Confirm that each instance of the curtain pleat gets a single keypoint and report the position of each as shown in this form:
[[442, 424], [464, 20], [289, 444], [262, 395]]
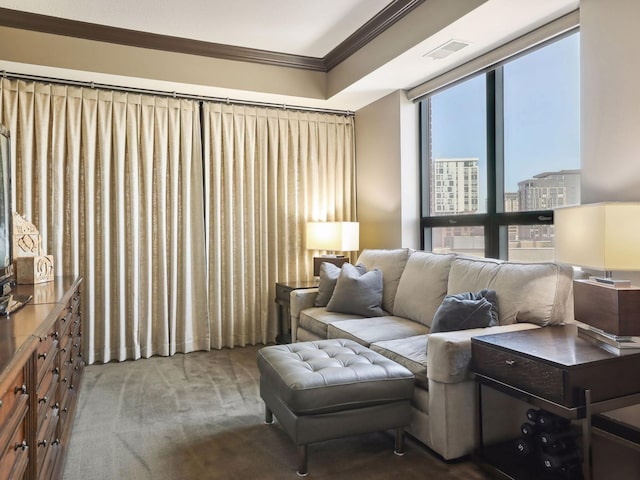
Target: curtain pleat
[[267, 172], [180, 230], [113, 181]]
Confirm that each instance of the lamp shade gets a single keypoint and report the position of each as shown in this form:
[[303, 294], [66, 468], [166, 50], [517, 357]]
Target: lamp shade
[[599, 236], [333, 236]]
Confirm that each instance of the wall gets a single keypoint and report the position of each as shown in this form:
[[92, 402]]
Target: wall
[[140, 66], [610, 100], [387, 173], [610, 103]]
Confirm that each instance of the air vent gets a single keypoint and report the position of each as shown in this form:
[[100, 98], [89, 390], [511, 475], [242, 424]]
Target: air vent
[[443, 51]]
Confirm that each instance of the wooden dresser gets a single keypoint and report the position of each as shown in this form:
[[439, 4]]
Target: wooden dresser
[[41, 369]]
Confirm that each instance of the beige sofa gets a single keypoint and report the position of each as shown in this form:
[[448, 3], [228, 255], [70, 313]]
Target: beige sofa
[[414, 285]]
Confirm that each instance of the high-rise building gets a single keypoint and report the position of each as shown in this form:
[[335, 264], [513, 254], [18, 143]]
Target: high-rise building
[[549, 190], [455, 186], [546, 191]]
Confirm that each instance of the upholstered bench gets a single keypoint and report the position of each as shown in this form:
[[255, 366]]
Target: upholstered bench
[[329, 389]]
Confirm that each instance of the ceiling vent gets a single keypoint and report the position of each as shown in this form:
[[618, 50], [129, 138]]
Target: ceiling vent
[[443, 51]]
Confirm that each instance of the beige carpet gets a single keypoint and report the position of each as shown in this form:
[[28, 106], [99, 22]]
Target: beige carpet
[[199, 416]]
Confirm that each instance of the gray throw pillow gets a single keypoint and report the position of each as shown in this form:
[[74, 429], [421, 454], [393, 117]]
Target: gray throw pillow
[[328, 277], [466, 310], [357, 294]]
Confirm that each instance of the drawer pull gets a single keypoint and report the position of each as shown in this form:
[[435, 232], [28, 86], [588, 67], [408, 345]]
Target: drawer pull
[[42, 443], [56, 371], [21, 446], [56, 442], [42, 355], [21, 389], [510, 362], [55, 406], [44, 399]]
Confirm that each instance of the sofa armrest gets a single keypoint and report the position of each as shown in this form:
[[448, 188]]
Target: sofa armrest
[[300, 299], [449, 353]]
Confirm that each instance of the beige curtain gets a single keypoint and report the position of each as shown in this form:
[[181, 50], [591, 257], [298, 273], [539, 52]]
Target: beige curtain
[[114, 183], [267, 172]]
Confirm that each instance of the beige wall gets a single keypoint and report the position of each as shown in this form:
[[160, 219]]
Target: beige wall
[[610, 103], [387, 173], [74, 54], [610, 100]]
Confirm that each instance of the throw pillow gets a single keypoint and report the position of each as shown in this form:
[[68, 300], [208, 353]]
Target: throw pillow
[[359, 294], [328, 277], [466, 310]]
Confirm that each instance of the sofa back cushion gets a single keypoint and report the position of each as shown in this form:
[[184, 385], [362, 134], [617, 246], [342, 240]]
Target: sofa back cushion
[[540, 293], [391, 263], [422, 286]]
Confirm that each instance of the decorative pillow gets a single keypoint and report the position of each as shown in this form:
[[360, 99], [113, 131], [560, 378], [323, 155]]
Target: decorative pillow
[[357, 294], [466, 310], [328, 276]]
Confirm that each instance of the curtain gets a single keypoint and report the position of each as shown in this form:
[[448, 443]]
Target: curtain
[[113, 181], [267, 172], [179, 242]]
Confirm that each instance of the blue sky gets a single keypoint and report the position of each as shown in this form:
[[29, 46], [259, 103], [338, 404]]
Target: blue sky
[[542, 117]]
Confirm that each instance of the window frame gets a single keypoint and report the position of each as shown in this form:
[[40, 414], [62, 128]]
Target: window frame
[[495, 221]]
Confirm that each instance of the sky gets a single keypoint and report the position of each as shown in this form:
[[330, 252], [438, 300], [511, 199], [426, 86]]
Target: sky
[[541, 111]]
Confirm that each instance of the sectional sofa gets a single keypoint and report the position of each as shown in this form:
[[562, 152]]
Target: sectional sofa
[[415, 285]]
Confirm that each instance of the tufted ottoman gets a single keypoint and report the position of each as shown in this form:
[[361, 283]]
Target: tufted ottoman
[[333, 388]]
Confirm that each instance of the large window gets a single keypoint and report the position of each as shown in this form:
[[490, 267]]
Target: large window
[[500, 152]]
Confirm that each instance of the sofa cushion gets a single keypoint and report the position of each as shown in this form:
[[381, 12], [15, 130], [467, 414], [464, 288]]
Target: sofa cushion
[[357, 293], [422, 286], [391, 263], [539, 293], [317, 319], [369, 330], [463, 311], [409, 352], [329, 274]]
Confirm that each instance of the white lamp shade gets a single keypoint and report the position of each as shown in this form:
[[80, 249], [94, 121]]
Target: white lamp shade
[[333, 236], [599, 236]]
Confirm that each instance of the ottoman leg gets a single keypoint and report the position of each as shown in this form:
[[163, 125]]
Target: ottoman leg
[[399, 449], [268, 415], [302, 461]]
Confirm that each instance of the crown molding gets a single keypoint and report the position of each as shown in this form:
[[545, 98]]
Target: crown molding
[[122, 36]]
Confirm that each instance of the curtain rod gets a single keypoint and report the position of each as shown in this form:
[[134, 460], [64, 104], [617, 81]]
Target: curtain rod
[[161, 93]]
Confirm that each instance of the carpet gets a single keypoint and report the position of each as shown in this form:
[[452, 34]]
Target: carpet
[[200, 416]]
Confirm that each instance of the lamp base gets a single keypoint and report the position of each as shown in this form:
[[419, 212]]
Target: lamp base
[[337, 260], [613, 310]]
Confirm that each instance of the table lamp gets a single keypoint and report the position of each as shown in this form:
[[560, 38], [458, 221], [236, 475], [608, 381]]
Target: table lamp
[[603, 237], [332, 237]]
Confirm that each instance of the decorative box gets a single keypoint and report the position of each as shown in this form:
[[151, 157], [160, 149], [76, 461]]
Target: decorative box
[[31, 270]]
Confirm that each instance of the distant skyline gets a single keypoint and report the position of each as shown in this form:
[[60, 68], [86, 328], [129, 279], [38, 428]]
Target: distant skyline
[[541, 116]]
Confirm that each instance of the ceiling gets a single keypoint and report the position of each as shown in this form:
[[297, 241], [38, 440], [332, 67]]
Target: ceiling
[[308, 28]]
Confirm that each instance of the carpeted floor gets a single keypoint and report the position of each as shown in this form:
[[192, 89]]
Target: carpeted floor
[[200, 416]]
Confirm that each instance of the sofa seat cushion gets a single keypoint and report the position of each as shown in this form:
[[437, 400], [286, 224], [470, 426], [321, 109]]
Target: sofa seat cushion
[[370, 330], [317, 319], [409, 352], [422, 286]]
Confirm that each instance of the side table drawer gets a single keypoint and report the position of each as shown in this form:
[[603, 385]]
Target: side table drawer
[[283, 293], [520, 372]]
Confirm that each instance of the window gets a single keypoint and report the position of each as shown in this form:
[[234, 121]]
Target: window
[[500, 151]]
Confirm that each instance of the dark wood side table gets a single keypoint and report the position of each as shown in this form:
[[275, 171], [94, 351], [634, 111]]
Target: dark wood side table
[[283, 299], [554, 369]]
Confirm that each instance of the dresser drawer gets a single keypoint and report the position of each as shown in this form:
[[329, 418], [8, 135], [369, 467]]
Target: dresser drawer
[[11, 398], [15, 453], [520, 372]]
